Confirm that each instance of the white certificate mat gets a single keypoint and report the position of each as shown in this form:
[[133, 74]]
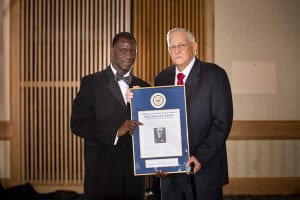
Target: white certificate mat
[[167, 120]]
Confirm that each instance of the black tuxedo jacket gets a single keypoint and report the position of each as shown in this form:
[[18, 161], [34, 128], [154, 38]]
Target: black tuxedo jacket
[[97, 113], [209, 114]]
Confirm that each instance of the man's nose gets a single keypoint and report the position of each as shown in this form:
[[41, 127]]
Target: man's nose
[[129, 55]]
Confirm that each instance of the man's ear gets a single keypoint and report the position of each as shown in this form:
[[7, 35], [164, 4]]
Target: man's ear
[[195, 47]]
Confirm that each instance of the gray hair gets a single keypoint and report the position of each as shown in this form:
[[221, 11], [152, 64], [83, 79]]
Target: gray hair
[[174, 30]]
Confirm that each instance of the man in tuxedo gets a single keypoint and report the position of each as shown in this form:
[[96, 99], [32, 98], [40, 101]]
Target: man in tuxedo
[[100, 115], [209, 114]]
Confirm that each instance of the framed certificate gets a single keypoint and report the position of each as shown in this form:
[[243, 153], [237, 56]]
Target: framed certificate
[[161, 143]]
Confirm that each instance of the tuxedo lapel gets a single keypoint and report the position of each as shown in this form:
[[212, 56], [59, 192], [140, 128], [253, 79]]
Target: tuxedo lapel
[[113, 87]]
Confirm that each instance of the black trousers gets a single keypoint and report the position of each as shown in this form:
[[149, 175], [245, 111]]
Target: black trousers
[[178, 194]]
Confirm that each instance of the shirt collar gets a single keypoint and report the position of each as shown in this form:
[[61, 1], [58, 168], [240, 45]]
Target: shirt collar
[[187, 69], [115, 71]]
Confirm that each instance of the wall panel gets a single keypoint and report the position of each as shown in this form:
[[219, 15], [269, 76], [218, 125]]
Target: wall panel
[[61, 41], [263, 158], [4, 159], [4, 61], [152, 19]]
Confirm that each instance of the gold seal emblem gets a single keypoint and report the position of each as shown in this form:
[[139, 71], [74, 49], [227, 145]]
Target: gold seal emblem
[[158, 100]]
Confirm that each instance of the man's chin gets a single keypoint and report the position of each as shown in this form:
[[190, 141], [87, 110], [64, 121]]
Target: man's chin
[[126, 68]]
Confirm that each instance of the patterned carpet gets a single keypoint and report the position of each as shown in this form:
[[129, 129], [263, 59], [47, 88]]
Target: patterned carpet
[[27, 192], [262, 197], [249, 197]]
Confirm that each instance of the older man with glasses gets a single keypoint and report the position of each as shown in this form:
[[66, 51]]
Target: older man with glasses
[[209, 115]]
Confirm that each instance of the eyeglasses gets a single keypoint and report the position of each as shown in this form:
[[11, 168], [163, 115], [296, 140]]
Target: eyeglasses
[[179, 46]]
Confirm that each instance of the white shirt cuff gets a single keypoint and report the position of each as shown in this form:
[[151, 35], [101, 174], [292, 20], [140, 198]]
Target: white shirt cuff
[[117, 138]]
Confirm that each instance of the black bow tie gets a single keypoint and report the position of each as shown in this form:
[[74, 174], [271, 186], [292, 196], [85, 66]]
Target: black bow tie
[[127, 79]]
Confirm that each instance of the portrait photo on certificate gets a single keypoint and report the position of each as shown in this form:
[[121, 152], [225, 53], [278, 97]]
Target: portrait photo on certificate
[[161, 143]]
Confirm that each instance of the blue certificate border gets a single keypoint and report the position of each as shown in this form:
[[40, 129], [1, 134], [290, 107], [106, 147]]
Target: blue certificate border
[[174, 99]]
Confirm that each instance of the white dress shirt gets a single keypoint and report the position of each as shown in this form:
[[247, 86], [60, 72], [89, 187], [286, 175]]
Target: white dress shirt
[[186, 71], [124, 87]]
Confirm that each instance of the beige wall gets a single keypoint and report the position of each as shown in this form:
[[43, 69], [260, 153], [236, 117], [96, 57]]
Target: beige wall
[[262, 30]]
